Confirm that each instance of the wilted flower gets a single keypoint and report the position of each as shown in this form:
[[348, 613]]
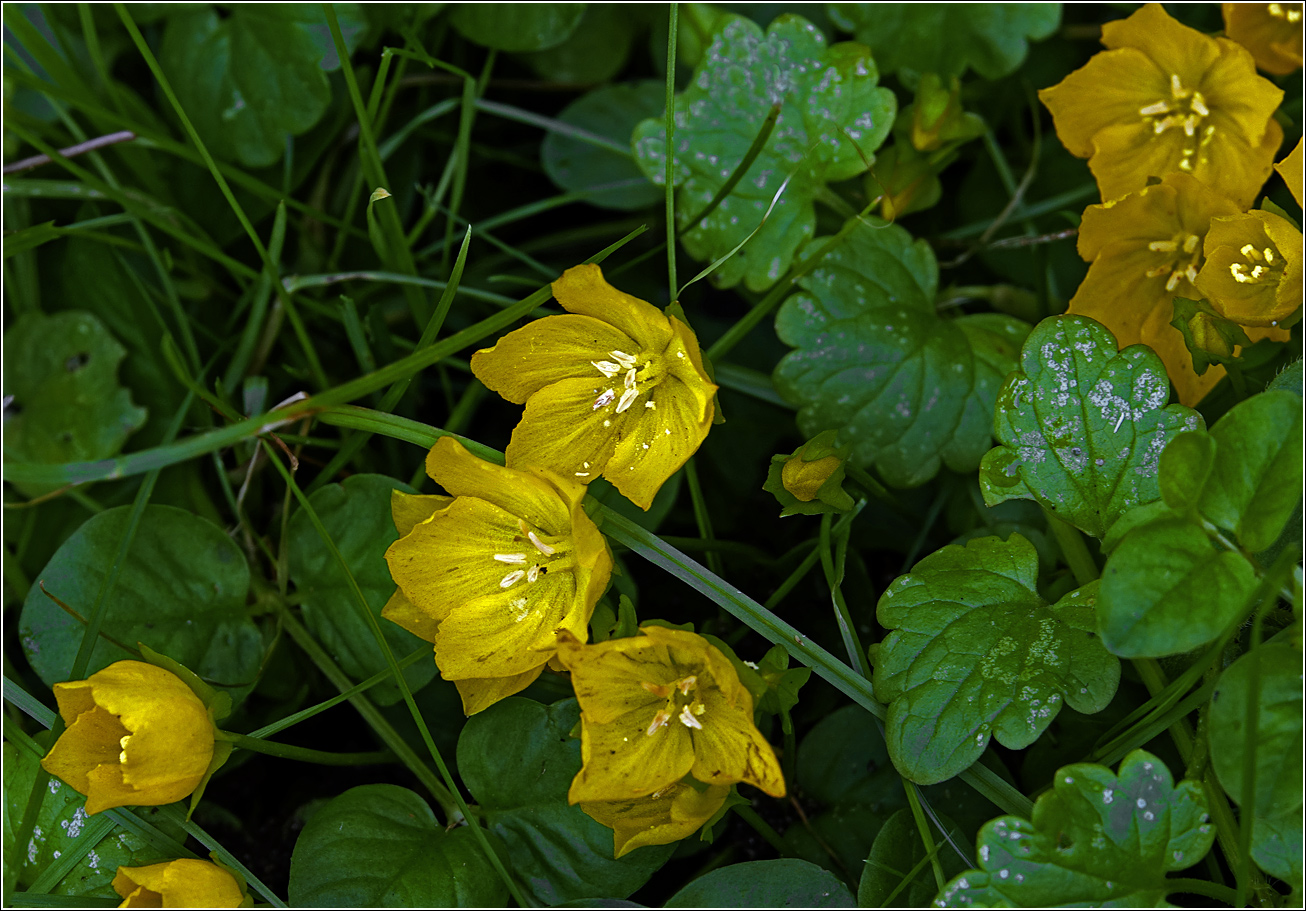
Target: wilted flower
[[184, 883], [493, 574], [1290, 169], [1252, 273], [1165, 98], [615, 387], [657, 707], [663, 817], [137, 736], [1271, 31]]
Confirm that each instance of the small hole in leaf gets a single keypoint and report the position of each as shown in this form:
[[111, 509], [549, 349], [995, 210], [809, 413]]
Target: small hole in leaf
[[77, 362]]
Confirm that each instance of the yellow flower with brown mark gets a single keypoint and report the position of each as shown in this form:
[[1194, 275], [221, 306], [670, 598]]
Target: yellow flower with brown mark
[[663, 817], [1271, 31], [1252, 273], [137, 736], [1164, 98], [184, 883], [1290, 169], [657, 707], [615, 387], [494, 572]]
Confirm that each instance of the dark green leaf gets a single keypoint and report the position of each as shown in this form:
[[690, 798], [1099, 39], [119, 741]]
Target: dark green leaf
[[1289, 378], [1185, 465], [518, 761], [843, 759], [975, 652], [380, 846], [1277, 846], [1082, 427], [1095, 839], [357, 515], [909, 391], [897, 850], [594, 52], [517, 26], [30, 238], [833, 117], [781, 883], [846, 829], [181, 591], [947, 38]]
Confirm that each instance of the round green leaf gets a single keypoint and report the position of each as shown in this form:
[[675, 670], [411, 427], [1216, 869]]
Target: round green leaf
[[518, 759], [612, 111], [595, 52], [380, 846], [909, 391], [1081, 426], [843, 759], [784, 883], [947, 38], [833, 116], [1277, 740], [975, 653], [181, 591], [1168, 588], [1185, 465], [896, 852], [1094, 840], [357, 515], [517, 26], [1277, 846]]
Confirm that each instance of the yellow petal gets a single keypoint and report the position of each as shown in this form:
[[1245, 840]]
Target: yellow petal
[[1171, 45], [609, 678], [633, 762], [661, 818], [548, 350], [1241, 281], [1108, 90], [420, 623], [93, 738], [1290, 169], [659, 440], [583, 289], [184, 883], [1274, 40], [408, 509], [729, 748], [480, 694], [563, 431], [542, 500]]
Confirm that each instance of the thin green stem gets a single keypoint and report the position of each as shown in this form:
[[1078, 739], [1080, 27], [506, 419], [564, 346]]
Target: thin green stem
[[1073, 548], [923, 828], [764, 829], [304, 754], [1203, 887]]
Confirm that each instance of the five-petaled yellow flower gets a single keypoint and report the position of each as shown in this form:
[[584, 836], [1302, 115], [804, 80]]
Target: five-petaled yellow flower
[[666, 815], [1165, 98], [615, 388], [1290, 169], [137, 736], [1252, 273], [183, 883], [491, 575], [657, 707], [1271, 31]]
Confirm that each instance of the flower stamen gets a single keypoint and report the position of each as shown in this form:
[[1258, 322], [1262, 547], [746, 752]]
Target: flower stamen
[[605, 398], [514, 559], [627, 399], [688, 720], [511, 579], [540, 545], [659, 721], [607, 368]]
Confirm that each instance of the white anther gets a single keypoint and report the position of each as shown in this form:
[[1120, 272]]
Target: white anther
[[1163, 246], [540, 545], [607, 368], [1236, 269], [1257, 271], [582, 474], [516, 559], [1152, 110], [630, 378], [519, 608], [1191, 272], [659, 721], [1173, 281], [1199, 105], [649, 404], [511, 579], [533, 574], [1250, 252], [688, 720], [621, 357], [1191, 242], [1176, 87], [1269, 255], [1190, 125], [687, 684], [627, 399], [605, 398]]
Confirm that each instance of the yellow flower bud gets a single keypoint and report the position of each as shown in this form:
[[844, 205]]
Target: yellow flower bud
[[812, 474], [137, 736], [180, 884]]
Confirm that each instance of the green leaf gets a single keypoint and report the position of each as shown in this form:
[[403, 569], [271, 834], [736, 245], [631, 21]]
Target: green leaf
[[1256, 480], [896, 851], [909, 391], [357, 515], [975, 652], [249, 79], [181, 591], [1277, 846], [380, 846], [612, 111], [1095, 840], [1168, 588], [518, 760], [784, 883], [30, 238], [595, 52], [1290, 378], [517, 27], [843, 759], [1277, 740], [833, 117], [990, 38], [61, 371], [1186, 464], [1082, 427]]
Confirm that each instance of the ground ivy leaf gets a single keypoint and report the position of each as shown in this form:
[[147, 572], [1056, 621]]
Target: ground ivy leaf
[[947, 38], [1168, 588], [380, 846], [517, 27], [908, 390], [783, 883], [1277, 740], [1081, 426], [974, 652], [833, 117], [1095, 840]]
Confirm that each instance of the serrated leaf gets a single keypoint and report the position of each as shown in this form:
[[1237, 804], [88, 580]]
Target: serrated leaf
[[833, 117], [908, 390], [517, 27], [380, 846], [1081, 426], [181, 591], [975, 653], [897, 850], [784, 883], [357, 515], [518, 760], [947, 38], [1277, 740], [612, 111], [1168, 588], [1094, 839]]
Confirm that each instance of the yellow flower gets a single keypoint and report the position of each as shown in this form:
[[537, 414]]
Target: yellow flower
[[1166, 98], [181, 883], [491, 575], [657, 707], [1290, 169], [1145, 251], [809, 481], [663, 817], [615, 387], [137, 736], [1271, 31], [1252, 273]]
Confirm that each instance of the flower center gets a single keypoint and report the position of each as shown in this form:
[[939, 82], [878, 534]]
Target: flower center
[[1185, 109], [541, 555], [638, 375], [682, 705], [1288, 11], [1263, 265], [1182, 259]]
